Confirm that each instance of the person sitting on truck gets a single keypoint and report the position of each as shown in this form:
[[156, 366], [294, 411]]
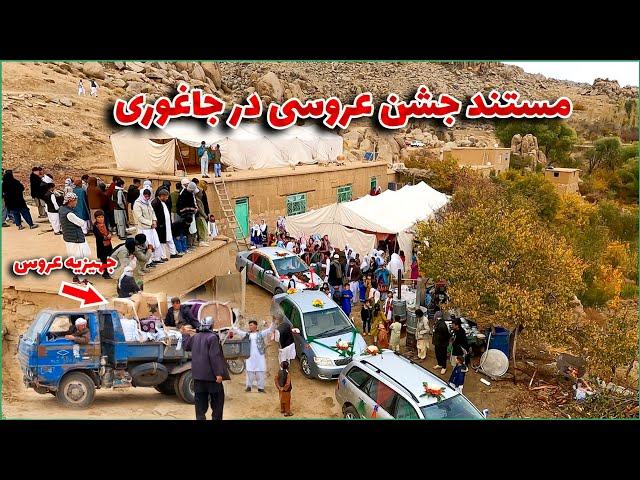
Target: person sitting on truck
[[79, 332], [180, 316]]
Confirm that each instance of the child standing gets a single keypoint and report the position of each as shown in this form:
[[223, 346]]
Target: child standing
[[103, 240], [456, 380], [395, 328], [366, 314], [347, 296], [283, 384], [213, 228]]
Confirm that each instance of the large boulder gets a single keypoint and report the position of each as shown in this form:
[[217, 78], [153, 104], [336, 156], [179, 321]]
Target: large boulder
[[516, 144], [137, 67], [212, 71], [132, 77], [180, 66], [93, 70], [118, 83], [269, 85], [138, 87], [198, 73], [352, 139]]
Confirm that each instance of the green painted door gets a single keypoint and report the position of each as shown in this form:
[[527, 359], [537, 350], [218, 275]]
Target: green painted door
[[242, 216]]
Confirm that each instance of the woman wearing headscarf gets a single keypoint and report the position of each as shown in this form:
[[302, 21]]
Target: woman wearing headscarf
[[263, 231], [127, 285], [81, 209], [147, 222], [414, 269], [187, 207], [395, 264]]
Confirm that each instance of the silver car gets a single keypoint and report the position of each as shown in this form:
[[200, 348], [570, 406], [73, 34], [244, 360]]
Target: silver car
[[320, 328], [390, 386], [269, 267]]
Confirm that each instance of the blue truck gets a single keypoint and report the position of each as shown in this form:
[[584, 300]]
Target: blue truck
[[73, 372]]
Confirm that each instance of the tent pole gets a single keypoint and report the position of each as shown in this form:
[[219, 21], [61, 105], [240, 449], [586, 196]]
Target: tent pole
[[181, 159]]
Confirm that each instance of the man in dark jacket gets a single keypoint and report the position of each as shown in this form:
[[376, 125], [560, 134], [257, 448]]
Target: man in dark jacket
[[12, 192], [180, 315], [460, 344], [35, 181], [335, 271], [441, 337], [208, 368], [163, 223]]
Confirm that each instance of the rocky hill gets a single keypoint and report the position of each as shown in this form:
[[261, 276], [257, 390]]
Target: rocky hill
[[46, 122]]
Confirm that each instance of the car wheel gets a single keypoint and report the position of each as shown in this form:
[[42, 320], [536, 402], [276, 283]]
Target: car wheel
[[350, 413], [236, 366], [76, 390], [278, 291], [184, 388], [305, 366]]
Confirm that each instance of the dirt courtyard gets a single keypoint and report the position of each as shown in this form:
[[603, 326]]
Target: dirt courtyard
[[310, 398]]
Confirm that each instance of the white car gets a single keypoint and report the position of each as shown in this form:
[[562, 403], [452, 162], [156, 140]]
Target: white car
[[269, 267]]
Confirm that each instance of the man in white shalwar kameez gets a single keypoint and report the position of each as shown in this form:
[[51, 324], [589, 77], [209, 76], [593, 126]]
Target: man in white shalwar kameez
[[256, 364]]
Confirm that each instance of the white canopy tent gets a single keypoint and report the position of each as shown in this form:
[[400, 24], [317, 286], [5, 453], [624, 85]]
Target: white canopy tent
[[392, 212], [247, 147]]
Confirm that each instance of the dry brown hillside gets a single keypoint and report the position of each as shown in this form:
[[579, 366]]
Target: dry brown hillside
[[44, 121]]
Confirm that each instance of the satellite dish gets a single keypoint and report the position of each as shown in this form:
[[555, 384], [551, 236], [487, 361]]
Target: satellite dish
[[494, 363]]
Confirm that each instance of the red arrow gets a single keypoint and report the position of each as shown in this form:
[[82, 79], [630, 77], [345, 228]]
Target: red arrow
[[87, 295]]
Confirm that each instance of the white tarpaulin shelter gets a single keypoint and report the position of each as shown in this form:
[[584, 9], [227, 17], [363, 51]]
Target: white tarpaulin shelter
[[247, 147], [393, 212]]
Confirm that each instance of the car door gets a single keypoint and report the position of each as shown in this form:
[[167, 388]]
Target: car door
[[296, 322], [353, 382], [270, 281], [252, 267], [382, 399], [404, 410], [57, 354]]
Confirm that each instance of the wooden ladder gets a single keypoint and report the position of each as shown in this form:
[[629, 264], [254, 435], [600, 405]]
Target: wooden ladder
[[233, 227]]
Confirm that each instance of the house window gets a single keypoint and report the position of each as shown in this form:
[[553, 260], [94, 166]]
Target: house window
[[344, 193], [296, 204], [556, 174], [374, 183]]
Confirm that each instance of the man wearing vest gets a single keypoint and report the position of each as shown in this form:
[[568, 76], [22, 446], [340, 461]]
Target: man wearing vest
[[257, 362], [72, 235]]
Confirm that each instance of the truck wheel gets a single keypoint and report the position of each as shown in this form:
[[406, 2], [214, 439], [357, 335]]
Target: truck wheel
[[168, 387], [76, 390], [305, 366], [184, 388], [236, 366]]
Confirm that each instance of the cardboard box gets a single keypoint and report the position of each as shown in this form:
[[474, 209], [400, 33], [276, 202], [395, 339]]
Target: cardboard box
[[221, 313], [148, 303]]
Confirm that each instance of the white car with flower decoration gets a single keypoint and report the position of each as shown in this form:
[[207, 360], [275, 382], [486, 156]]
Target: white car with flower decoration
[[326, 339], [384, 384], [273, 267]]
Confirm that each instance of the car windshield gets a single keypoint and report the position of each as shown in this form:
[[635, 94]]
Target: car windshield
[[326, 323], [454, 407], [37, 326], [288, 265]]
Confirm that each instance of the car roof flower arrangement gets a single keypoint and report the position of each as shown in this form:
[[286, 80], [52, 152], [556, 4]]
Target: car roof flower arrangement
[[317, 303], [432, 391], [291, 291], [371, 350]]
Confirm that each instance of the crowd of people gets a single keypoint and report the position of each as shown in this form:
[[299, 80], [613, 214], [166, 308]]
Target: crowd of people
[[170, 222]]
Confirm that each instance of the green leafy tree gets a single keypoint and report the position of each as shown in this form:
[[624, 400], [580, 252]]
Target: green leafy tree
[[607, 153], [535, 189], [503, 265]]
